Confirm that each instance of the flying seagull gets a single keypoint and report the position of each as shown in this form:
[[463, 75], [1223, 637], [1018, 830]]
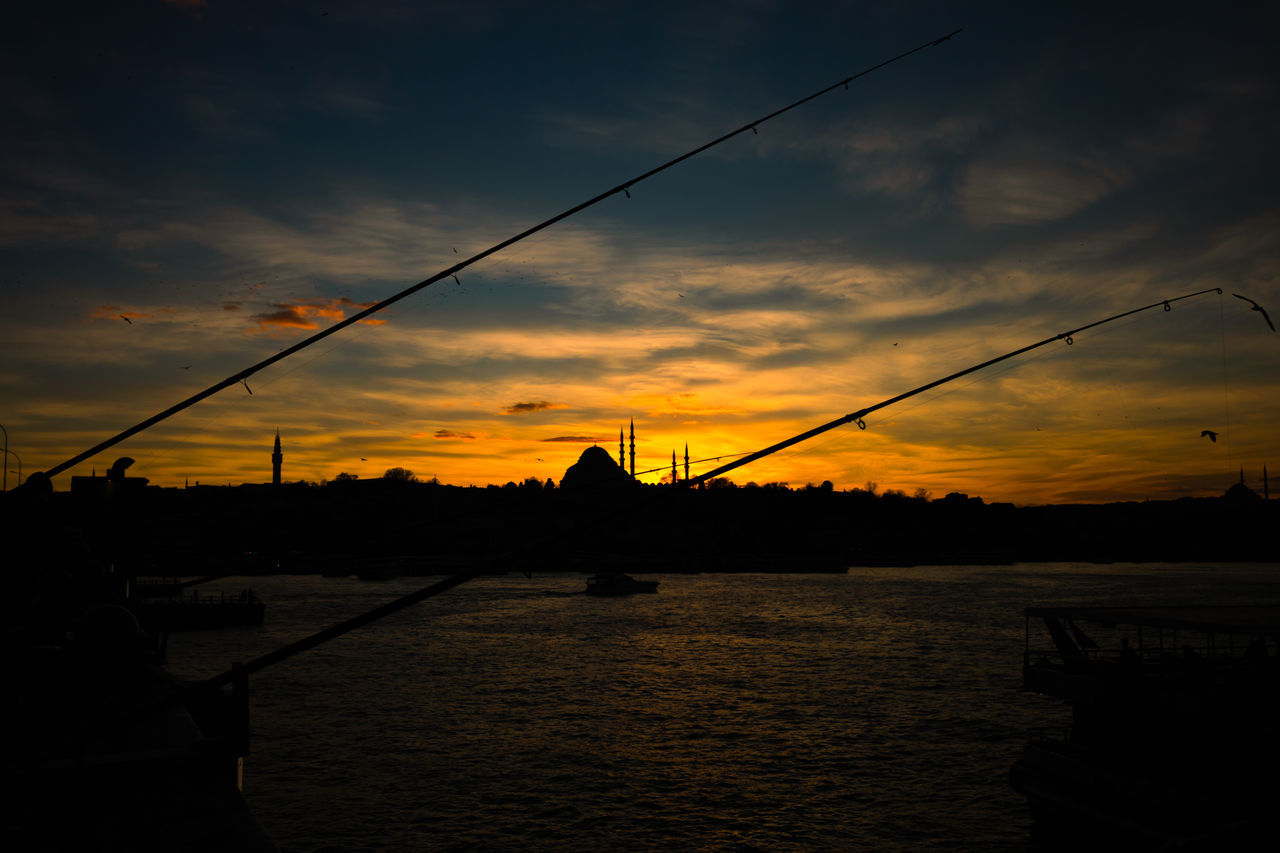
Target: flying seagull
[[1213, 436], [1258, 308]]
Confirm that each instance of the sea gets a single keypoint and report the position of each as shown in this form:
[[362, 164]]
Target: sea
[[877, 709]]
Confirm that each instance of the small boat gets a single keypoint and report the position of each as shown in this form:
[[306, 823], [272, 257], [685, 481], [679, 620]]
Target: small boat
[[617, 583]]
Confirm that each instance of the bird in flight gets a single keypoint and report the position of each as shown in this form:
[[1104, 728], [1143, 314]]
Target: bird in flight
[[130, 322], [1213, 436], [1258, 308]]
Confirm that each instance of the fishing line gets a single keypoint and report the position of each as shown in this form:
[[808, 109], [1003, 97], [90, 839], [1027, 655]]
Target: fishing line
[[977, 378], [1122, 322], [858, 417]]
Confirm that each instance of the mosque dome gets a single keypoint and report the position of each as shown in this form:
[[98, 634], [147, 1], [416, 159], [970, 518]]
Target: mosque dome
[[595, 469]]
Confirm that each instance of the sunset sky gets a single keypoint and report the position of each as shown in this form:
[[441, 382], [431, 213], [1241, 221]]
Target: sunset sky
[[187, 187]]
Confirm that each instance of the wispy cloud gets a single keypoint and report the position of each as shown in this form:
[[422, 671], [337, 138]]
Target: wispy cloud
[[997, 193]]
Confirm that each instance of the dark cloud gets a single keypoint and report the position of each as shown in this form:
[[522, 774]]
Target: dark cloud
[[525, 408], [577, 439], [447, 434], [231, 306]]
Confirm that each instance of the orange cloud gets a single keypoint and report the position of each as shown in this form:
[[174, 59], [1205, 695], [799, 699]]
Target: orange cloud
[[302, 314], [285, 315]]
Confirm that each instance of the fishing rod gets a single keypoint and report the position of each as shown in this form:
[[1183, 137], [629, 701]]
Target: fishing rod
[[857, 417], [451, 272]]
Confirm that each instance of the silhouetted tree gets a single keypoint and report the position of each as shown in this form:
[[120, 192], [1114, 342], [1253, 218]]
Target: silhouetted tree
[[344, 477], [403, 474]]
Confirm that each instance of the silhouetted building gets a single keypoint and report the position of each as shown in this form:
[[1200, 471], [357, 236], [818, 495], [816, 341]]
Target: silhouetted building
[[277, 457], [594, 469]]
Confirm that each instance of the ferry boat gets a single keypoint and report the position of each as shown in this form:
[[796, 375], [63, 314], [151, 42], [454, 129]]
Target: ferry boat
[[1174, 734], [617, 583]]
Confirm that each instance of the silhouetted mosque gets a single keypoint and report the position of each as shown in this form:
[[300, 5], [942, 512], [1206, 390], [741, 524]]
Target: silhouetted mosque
[[595, 469]]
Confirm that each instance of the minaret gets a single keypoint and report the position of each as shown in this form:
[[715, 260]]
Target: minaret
[[622, 460], [276, 458], [686, 460], [675, 475], [633, 448]]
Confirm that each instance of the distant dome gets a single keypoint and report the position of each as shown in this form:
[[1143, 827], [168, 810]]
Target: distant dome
[[1240, 493], [595, 469]]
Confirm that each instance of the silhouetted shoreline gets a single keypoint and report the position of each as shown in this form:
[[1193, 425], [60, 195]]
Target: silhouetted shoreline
[[402, 527]]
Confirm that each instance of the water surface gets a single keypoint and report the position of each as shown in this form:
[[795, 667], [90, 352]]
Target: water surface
[[876, 710]]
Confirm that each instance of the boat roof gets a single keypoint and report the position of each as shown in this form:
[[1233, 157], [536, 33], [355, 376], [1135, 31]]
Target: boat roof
[[1210, 618]]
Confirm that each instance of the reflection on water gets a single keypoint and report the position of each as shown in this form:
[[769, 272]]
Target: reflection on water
[[876, 710]]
